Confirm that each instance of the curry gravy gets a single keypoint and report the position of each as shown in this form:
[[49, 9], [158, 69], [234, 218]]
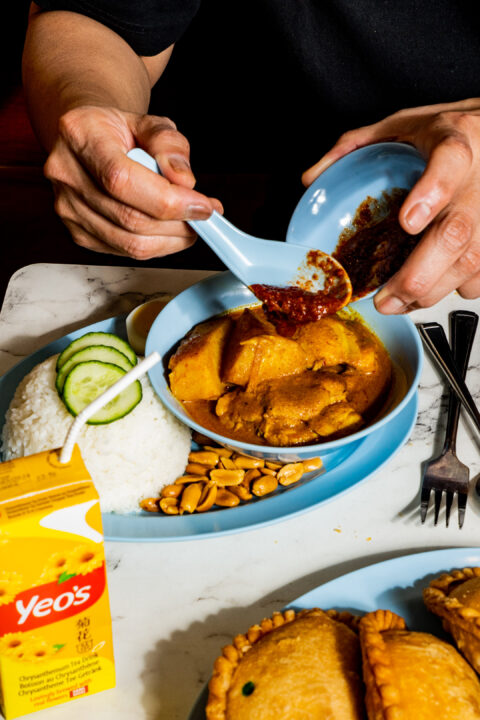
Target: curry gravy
[[236, 376]]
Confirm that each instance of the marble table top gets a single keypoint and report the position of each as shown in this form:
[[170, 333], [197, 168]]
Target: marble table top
[[175, 604]]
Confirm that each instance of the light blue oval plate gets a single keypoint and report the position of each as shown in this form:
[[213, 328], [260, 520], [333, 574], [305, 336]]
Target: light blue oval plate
[[372, 453], [395, 585]]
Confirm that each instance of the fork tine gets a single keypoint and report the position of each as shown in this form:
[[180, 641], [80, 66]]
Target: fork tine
[[438, 500], [462, 504], [445, 472], [424, 502], [449, 500]]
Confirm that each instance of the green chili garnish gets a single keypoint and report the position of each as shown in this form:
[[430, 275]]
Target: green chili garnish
[[248, 688]]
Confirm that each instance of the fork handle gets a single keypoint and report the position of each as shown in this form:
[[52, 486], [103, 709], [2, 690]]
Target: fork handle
[[463, 325], [434, 337]]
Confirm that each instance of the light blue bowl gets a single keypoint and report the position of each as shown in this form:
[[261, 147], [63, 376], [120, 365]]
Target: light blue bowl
[[329, 205], [222, 292]]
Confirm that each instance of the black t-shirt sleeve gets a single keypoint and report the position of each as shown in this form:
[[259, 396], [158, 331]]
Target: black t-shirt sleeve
[[148, 26]]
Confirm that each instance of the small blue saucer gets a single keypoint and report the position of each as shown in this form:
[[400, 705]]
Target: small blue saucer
[[329, 205]]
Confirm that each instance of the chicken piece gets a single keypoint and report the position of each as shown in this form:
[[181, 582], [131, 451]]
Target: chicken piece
[[368, 353], [256, 353], [241, 407], [280, 435], [195, 367], [337, 419], [280, 409], [364, 391], [333, 341], [275, 357], [325, 342], [291, 404], [302, 397], [239, 353]]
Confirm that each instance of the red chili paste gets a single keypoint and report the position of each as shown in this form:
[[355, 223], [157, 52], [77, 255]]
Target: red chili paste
[[287, 307], [375, 246]]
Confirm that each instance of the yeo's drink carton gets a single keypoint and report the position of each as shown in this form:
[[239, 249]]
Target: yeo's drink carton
[[55, 625]]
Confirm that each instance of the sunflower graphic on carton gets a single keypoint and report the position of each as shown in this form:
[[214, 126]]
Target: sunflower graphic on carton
[[27, 647], [62, 566], [11, 583]]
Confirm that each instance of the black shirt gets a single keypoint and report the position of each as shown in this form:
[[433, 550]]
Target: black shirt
[[269, 85]]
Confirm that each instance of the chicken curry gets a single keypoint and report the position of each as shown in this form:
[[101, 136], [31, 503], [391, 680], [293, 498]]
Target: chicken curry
[[237, 376]]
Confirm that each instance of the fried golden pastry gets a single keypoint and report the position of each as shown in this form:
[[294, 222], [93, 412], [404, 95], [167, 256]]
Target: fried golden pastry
[[414, 675], [290, 667], [455, 597]]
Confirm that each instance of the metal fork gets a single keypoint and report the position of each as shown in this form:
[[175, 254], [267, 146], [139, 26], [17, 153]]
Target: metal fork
[[446, 473]]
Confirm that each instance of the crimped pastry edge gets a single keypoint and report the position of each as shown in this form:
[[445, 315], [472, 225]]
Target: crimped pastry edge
[[225, 665], [382, 697], [458, 619]]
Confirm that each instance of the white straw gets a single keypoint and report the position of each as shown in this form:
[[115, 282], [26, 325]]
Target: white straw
[[82, 417]]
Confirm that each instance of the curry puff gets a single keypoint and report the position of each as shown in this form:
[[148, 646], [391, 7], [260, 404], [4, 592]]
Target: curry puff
[[290, 667], [455, 597], [414, 675]]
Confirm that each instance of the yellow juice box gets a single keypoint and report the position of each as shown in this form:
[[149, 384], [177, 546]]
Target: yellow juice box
[[55, 625]]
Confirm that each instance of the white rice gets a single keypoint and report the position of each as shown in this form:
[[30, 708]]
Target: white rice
[[129, 459]]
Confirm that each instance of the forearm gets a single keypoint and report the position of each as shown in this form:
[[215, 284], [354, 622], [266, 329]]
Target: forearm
[[71, 60]]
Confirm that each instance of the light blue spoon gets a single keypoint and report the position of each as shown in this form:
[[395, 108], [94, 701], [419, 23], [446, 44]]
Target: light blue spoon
[[266, 262]]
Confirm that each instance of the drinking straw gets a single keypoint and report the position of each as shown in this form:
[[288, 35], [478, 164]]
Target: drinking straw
[[111, 392]]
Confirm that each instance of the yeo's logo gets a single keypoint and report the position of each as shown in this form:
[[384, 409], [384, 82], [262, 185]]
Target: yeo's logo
[[52, 602]]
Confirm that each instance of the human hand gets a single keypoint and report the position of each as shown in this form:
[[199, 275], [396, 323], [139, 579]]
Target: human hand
[[110, 203], [445, 200]]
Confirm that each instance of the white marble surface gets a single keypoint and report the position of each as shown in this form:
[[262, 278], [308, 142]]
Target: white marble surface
[[175, 604]]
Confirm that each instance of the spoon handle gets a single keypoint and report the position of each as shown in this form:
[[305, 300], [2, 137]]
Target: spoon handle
[[226, 241], [435, 339], [216, 231], [256, 261]]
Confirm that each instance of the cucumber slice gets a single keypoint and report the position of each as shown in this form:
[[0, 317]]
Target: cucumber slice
[[97, 338], [88, 380], [103, 353]]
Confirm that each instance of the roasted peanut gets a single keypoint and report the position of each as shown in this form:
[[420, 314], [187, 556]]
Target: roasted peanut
[[221, 451], [312, 464], [269, 471], [251, 475], [169, 505], [225, 498], [290, 473], [217, 476], [150, 504], [172, 490], [196, 469], [241, 491], [204, 457], [227, 477], [207, 498], [228, 463], [186, 479], [264, 485], [247, 463], [190, 498]]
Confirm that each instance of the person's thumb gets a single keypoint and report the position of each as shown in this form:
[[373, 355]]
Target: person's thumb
[[159, 137]]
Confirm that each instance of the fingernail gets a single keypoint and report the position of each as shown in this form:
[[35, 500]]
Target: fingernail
[[197, 212], [390, 305], [179, 164], [418, 217]]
